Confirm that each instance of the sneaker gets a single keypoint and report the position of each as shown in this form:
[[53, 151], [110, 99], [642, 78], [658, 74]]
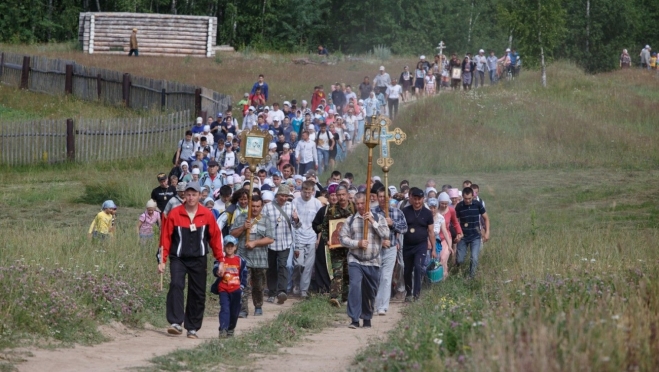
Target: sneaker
[[382, 312], [242, 314], [354, 325], [224, 333], [175, 329], [281, 298], [409, 298], [192, 334], [230, 332], [271, 300], [296, 291], [304, 295], [367, 323], [334, 302], [258, 312]]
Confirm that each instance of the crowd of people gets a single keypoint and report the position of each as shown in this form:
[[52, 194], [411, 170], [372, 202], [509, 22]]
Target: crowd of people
[[284, 231]]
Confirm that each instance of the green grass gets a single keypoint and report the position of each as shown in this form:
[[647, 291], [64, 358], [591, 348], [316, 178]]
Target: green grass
[[287, 328], [569, 280]]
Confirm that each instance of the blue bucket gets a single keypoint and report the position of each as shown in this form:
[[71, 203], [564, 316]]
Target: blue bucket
[[437, 274]]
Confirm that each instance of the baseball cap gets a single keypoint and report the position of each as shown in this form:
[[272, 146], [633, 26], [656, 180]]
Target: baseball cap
[[246, 95], [287, 146], [415, 191], [310, 173], [200, 120], [193, 186], [181, 186], [227, 143], [229, 239], [422, 57], [219, 114], [251, 108], [286, 103], [481, 51]]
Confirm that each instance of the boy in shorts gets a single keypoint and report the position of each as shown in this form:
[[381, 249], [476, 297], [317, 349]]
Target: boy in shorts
[[230, 286]]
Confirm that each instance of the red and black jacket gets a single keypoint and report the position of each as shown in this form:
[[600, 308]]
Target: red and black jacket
[[177, 240]]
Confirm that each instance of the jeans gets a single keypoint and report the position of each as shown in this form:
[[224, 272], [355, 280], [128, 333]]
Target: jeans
[[475, 247], [305, 261], [393, 107], [362, 290], [137, 52], [229, 309], [387, 262], [414, 259], [323, 160], [305, 167], [480, 76], [493, 77], [195, 269], [277, 272]]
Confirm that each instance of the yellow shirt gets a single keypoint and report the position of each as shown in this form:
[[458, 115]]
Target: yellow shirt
[[653, 61], [101, 223]]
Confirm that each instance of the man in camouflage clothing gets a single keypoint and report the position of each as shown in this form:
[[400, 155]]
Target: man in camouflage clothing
[[255, 252], [339, 256]]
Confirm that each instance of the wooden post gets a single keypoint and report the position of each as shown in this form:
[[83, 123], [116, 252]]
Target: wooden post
[[68, 82], [163, 99], [126, 90], [197, 102], [25, 74], [70, 141], [99, 80], [368, 189], [386, 191]]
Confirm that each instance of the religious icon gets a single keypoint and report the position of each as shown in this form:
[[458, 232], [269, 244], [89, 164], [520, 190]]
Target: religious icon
[[254, 147], [334, 231]]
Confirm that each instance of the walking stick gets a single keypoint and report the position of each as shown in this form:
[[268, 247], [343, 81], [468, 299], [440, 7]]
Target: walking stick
[[161, 274]]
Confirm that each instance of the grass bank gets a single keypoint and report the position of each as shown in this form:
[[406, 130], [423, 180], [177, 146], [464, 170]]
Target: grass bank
[[569, 279]]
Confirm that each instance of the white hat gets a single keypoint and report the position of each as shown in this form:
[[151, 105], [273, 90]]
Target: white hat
[[647, 47], [236, 179], [304, 101], [272, 146], [207, 128], [266, 108], [151, 204], [229, 135], [251, 108], [422, 57], [381, 68], [507, 49], [287, 146], [481, 51], [184, 163], [393, 190], [286, 103], [196, 171], [376, 178], [361, 101], [268, 195], [200, 120]]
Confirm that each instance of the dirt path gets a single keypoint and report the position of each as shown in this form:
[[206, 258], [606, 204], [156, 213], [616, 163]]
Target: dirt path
[[332, 349], [131, 348]]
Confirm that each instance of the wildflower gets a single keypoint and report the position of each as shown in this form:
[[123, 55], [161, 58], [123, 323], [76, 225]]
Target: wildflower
[[592, 260], [615, 317], [438, 341]]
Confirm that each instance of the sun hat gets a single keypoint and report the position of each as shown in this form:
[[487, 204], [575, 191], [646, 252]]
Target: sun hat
[[286, 103], [180, 186], [283, 190], [109, 204], [151, 204]]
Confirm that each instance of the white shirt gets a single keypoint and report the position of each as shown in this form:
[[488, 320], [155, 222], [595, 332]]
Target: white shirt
[[306, 212], [278, 114], [324, 140], [439, 220], [306, 151], [230, 162], [394, 91], [481, 61]]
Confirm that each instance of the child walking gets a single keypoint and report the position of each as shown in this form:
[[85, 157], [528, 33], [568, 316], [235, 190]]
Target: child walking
[[102, 226], [146, 222], [230, 286]]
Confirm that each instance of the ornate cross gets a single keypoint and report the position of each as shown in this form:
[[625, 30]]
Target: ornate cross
[[397, 136]]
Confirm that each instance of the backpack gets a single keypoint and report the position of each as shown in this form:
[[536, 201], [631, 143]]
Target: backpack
[[180, 144], [229, 211]]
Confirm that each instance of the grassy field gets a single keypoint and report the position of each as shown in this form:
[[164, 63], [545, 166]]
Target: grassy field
[[21, 105], [568, 282]]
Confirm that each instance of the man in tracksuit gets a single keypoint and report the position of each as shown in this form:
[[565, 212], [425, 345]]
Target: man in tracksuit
[[189, 230]]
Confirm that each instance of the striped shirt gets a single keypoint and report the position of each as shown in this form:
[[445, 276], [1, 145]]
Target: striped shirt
[[469, 216], [353, 231], [283, 231]]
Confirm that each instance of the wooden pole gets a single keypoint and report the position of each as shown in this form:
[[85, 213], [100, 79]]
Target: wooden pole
[[70, 141], [197, 102], [252, 168], [25, 73], [126, 89], [369, 171], [2, 64], [99, 87], [386, 191]]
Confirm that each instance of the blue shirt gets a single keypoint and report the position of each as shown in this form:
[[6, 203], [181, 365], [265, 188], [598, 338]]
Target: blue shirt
[[469, 217], [264, 89]]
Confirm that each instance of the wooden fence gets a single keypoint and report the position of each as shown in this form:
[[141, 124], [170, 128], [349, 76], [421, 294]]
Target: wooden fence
[[58, 77], [85, 140], [158, 34]]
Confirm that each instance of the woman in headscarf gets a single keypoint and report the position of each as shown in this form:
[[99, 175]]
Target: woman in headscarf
[[625, 59], [443, 241], [468, 68], [322, 278], [448, 212], [419, 76], [185, 175]]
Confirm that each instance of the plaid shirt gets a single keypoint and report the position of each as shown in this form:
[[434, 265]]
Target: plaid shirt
[[284, 234], [400, 224], [353, 231], [258, 257]]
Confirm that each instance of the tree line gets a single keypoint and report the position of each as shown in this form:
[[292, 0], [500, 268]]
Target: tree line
[[590, 32]]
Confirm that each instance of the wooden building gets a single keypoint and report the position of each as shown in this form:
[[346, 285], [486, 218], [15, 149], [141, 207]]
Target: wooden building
[[157, 35]]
